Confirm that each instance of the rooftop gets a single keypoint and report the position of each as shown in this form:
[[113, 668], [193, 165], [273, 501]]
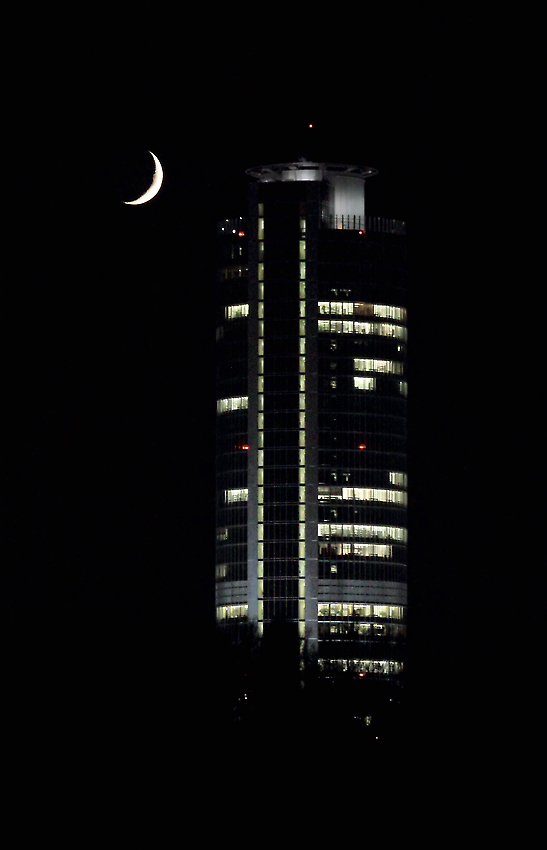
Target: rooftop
[[304, 170]]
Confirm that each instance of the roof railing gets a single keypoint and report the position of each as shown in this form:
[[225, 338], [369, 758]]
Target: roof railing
[[373, 223]]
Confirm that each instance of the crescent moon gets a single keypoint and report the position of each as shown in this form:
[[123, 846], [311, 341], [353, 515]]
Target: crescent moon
[[154, 188]]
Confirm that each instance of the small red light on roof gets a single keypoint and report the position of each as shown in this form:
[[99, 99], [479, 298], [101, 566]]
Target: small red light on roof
[[241, 233], [362, 445]]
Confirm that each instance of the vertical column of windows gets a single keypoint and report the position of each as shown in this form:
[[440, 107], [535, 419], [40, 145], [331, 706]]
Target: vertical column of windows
[[302, 436], [260, 419]]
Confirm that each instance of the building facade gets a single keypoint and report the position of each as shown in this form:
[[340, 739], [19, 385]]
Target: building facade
[[311, 492]]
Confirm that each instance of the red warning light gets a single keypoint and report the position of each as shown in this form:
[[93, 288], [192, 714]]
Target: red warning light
[[245, 448], [241, 233], [362, 445], [310, 126]]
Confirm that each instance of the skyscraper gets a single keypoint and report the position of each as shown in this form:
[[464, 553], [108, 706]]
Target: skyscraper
[[311, 425]]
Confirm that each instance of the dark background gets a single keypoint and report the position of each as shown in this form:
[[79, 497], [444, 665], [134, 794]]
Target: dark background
[[110, 466]]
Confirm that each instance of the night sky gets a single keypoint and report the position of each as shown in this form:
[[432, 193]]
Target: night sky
[[111, 483]]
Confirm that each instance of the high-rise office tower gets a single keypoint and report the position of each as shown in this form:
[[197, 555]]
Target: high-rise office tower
[[311, 423]]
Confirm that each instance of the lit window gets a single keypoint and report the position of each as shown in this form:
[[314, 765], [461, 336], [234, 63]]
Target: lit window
[[240, 494], [364, 383], [360, 610], [385, 532], [357, 308], [366, 494], [371, 550], [373, 494], [398, 478], [387, 366], [360, 666], [359, 550], [236, 311], [386, 312], [231, 612], [224, 405], [351, 327]]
